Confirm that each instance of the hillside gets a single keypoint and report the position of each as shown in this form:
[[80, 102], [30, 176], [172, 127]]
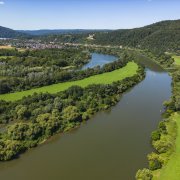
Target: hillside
[[163, 36], [10, 33]]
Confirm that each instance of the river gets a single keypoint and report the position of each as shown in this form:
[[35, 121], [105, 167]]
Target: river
[[113, 145], [99, 60]]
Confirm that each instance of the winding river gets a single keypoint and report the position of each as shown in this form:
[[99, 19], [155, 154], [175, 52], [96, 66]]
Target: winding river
[[110, 146]]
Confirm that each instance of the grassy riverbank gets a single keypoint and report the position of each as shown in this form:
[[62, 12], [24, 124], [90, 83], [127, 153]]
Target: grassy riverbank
[[106, 78], [171, 171], [164, 162]]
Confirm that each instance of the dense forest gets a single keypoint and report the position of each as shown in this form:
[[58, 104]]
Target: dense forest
[[161, 36]]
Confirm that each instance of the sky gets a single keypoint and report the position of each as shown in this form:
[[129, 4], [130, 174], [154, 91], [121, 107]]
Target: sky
[[85, 14]]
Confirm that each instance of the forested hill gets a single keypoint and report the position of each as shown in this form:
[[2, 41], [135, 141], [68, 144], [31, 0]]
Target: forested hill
[[163, 36], [9, 33]]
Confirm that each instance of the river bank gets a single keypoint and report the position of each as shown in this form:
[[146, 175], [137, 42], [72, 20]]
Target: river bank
[[100, 144]]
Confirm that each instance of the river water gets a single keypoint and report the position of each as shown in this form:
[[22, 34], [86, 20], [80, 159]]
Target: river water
[[110, 146], [99, 60]]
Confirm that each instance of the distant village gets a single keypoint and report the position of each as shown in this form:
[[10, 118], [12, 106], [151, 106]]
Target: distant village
[[29, 44], [35, 44]]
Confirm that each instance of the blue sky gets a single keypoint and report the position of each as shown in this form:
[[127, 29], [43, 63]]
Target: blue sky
[[85, 14]]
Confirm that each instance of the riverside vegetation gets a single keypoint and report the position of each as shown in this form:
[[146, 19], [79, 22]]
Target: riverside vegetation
[[164, 162], [36, 118]]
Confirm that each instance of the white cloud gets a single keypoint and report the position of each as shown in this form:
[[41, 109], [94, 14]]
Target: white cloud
[[2, 3]]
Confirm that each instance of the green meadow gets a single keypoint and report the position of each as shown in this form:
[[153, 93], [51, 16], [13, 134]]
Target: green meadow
[[171, 171], [177, 60], [106, 78]]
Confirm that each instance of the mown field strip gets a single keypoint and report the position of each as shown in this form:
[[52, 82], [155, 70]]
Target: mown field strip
[[177, 60], [106, 78], [172, 169]]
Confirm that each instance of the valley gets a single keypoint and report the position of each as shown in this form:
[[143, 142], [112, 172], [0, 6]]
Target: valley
[[90, 104]]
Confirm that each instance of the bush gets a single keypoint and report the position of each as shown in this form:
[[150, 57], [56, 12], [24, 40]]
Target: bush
[[162, 127], [144, 174], [163, 146], [155, 135], [155, 161]]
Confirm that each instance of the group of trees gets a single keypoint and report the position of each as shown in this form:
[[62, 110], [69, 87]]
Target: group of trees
[[161, 58], [28, 69], [174, 104], [163, 141], [40, 116]]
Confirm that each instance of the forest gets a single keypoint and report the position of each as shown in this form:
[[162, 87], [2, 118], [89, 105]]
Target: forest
[[159, 37]]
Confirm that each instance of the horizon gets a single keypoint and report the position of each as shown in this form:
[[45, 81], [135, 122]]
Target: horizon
[[94, 29], [85, 15]]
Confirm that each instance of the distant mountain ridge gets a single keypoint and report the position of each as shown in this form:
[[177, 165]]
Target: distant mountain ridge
[[160, 36], [10, 33], [43, 32]]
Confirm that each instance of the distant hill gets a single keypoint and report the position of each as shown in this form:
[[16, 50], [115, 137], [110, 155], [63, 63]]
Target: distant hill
[[10, 33], [60, 31], [163, 36]]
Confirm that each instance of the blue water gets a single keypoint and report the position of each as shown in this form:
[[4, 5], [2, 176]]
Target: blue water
[[99, 60]]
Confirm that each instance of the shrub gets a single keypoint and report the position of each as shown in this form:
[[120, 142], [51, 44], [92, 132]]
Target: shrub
[[155, 135], [144, 174], [163, 146], [155, 161], [162, 127]]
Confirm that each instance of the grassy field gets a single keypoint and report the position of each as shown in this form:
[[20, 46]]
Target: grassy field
[[177, 60], [5, 57], [172, 170], [6, 47], [107, 78]]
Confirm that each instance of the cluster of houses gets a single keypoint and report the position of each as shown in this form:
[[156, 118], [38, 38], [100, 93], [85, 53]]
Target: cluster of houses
[[29, 44], [41, 46]]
